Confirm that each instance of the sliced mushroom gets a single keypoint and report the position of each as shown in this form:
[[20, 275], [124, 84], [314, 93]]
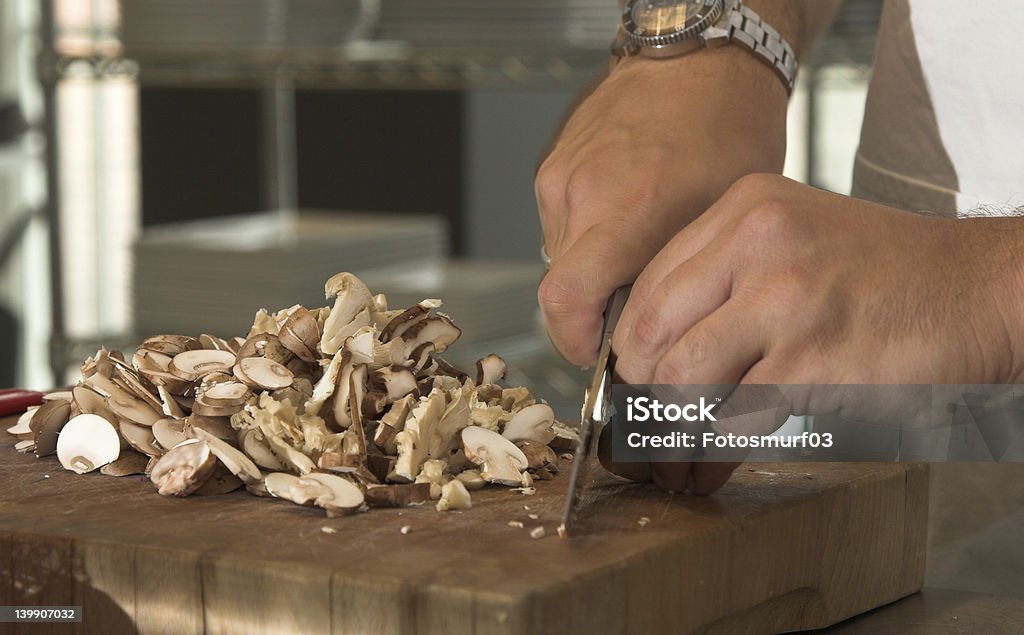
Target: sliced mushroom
[[201, 407], [532, 423], [183, 469], [490, 370], [499, 459], [342, 497], [169, 432], [231, 393], [86, 443], [413, 442], [279, 484], [438, 330], [565, 438], [538, 455], [471, 479], [259, 451], [60, 395], [394, 381], [397, 495], [47, 423], [170, 345], [434, 472], [301, 335], [264, 373], [129, 463], [454, 495], [295, 460], [170, 405], [219, 427], [22, 429], [238, 463], [221, 481], [402, 322], [140, 438], [193, 364], [515, 399], [351, 310]]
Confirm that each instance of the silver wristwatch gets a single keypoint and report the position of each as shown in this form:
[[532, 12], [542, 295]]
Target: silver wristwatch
[[667, 28]]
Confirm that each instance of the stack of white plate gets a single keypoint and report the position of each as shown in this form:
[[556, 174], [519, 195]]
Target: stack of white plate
[[211, 276]]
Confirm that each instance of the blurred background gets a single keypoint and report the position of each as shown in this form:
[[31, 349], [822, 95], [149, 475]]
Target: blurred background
[[173, 165]]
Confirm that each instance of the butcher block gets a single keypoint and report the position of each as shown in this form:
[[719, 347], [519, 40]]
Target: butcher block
[[781, 547]]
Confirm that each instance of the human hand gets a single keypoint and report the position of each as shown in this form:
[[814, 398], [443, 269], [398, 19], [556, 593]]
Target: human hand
[[780, 283], [651, 148]]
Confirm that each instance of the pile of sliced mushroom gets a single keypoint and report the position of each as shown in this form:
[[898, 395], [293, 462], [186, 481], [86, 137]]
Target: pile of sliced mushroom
[[342, 407]]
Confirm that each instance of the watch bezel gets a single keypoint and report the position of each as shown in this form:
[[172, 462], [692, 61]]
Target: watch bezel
[[690, 30]]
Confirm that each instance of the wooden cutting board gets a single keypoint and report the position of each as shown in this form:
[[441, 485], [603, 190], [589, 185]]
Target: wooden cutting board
[[781, 547]]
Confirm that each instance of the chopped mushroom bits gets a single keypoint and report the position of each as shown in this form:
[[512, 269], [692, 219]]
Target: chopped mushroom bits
[[343, 408]]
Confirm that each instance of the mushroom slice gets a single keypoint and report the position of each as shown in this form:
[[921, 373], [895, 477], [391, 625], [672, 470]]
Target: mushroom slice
[[399, 324], [265, 373], [212, 342], [515, 399], [130, 382], [414, 441], [389, 354], [490, 370], [342, 497], [532, 423], [232, 393], [259, 451], [301, 335], [239, 464], [219, 427], [46, 424], [397, 495], [295, 460], [565, 438], [183, 469], [88, 442], [129, 463], [352, 305], [22, 429], [325, 387], [206, 409], [171, 407], [394, 381], [140, 438], [499, 459], [444, 368], [222, 481], [170, 345], [279, 484], [60, 395], [454, 495], [539, 456], [27, 445], [471, 479], [439, 330], [193, 364], [169, 432], [421, 357]]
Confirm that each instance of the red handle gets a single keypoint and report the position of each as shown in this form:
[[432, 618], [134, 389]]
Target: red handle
[[16, 400]]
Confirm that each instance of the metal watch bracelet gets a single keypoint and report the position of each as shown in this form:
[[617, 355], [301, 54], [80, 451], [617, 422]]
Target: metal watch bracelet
[[747, 28]]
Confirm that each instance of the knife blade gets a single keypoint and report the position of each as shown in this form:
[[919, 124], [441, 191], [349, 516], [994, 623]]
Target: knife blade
[[597, 399]]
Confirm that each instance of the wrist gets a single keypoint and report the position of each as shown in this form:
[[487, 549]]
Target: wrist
[[990, 249]]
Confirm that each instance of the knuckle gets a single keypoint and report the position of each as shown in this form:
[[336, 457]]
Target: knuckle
[[557, 295], [754, 185], [695, 350], [768, 220], [549, 187], [582, 186], [647, 335]]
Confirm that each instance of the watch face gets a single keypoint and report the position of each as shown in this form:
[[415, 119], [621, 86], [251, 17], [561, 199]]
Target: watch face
[[659, 18]]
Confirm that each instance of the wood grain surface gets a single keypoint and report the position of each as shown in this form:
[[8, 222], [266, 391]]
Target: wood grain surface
[[781, 547]]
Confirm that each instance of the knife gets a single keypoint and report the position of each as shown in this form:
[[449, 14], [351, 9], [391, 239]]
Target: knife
[[597, 410]]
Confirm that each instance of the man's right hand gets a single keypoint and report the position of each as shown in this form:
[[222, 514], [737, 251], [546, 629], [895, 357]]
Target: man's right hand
[[655, 144]]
